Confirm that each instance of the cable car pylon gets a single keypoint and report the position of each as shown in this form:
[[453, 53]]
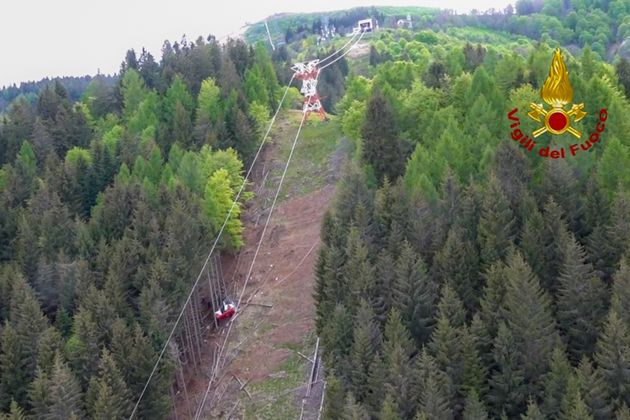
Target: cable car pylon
[[308, 73]]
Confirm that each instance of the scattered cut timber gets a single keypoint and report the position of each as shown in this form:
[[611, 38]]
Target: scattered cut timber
[[264, 374]]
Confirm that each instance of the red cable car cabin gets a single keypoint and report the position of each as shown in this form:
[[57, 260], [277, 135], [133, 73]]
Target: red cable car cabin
[[227, 310]]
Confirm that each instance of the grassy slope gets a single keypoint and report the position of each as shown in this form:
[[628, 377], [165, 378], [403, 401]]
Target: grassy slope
[[311, 165], [315, 164]]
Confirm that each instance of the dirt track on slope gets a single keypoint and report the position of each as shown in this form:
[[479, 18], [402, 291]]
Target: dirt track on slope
[[276, 319]]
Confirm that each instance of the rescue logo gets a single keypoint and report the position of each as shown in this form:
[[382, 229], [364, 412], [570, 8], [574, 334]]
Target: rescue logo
[[556, 93]]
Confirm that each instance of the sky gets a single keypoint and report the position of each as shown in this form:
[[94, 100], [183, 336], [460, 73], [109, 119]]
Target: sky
[[77, 37]]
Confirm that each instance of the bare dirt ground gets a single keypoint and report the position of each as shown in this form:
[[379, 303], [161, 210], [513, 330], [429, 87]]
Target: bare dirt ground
[[266, 366]]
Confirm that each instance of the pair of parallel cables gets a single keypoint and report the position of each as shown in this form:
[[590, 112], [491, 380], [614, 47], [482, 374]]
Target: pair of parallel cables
[[225, 222]]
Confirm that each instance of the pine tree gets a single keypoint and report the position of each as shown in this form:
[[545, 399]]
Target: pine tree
[[554, 231], [608, 242], [496, 224], [594, 389], [366, 342], [555, 383], [527, 311], [135, 357], [323, 302], [533, 235], [82, 347], [107, 393], [451, 308], [397, 349], [389, 411], [433, 401], [377, 376], [39, 394], [384, 274], [475, 372], [623, 413], [337, 336], [13, 376], [620, 301], [482, 339], [474, 407], [414, 293], [457, 265], [573, 405], [50, 344], [354, 410], [507, 387], [493, 297], [65, 393], [29, 322], [455, 352], [15, 412], [533, 412], [432, 387], [381, 148], [358, 272], [334, 401], [446, 347], [613, 357], [581, 300], [560, 182]]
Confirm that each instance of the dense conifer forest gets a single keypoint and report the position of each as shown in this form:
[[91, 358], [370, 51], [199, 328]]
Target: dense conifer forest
[[107, 205], [459, 276], [462, 276]]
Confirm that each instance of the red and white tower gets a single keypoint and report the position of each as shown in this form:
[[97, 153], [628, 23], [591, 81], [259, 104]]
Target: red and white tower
[[308, 73]]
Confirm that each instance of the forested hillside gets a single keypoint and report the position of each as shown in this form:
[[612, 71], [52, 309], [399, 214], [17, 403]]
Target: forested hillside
[[74, 86], [462, 276], [602, 26], [107, 206], [459, 276]]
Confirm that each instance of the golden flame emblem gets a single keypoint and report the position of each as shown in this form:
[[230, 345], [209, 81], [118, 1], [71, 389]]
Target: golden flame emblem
[[557, 92]]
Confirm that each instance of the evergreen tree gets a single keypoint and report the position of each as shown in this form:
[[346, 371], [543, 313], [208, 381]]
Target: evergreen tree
[[613, 357], [620, 300], [493, 297], [432, 387], [15, 412], [457, 265], [13, 377], [397, 349], [527, 311], [414, 293], [381, 147], [107, 394], [377, 376], [623, 413], [573, 405], [65, 393], [389, 411], [337, 336], [365, 344], [354, 410], [507, 384], [555, 383], [474, 407], [581, 300], [334, 401], [594, 389], [496, 224], [560, 182], [533, 412], [554, 234], [451, 308], [39, 394]]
